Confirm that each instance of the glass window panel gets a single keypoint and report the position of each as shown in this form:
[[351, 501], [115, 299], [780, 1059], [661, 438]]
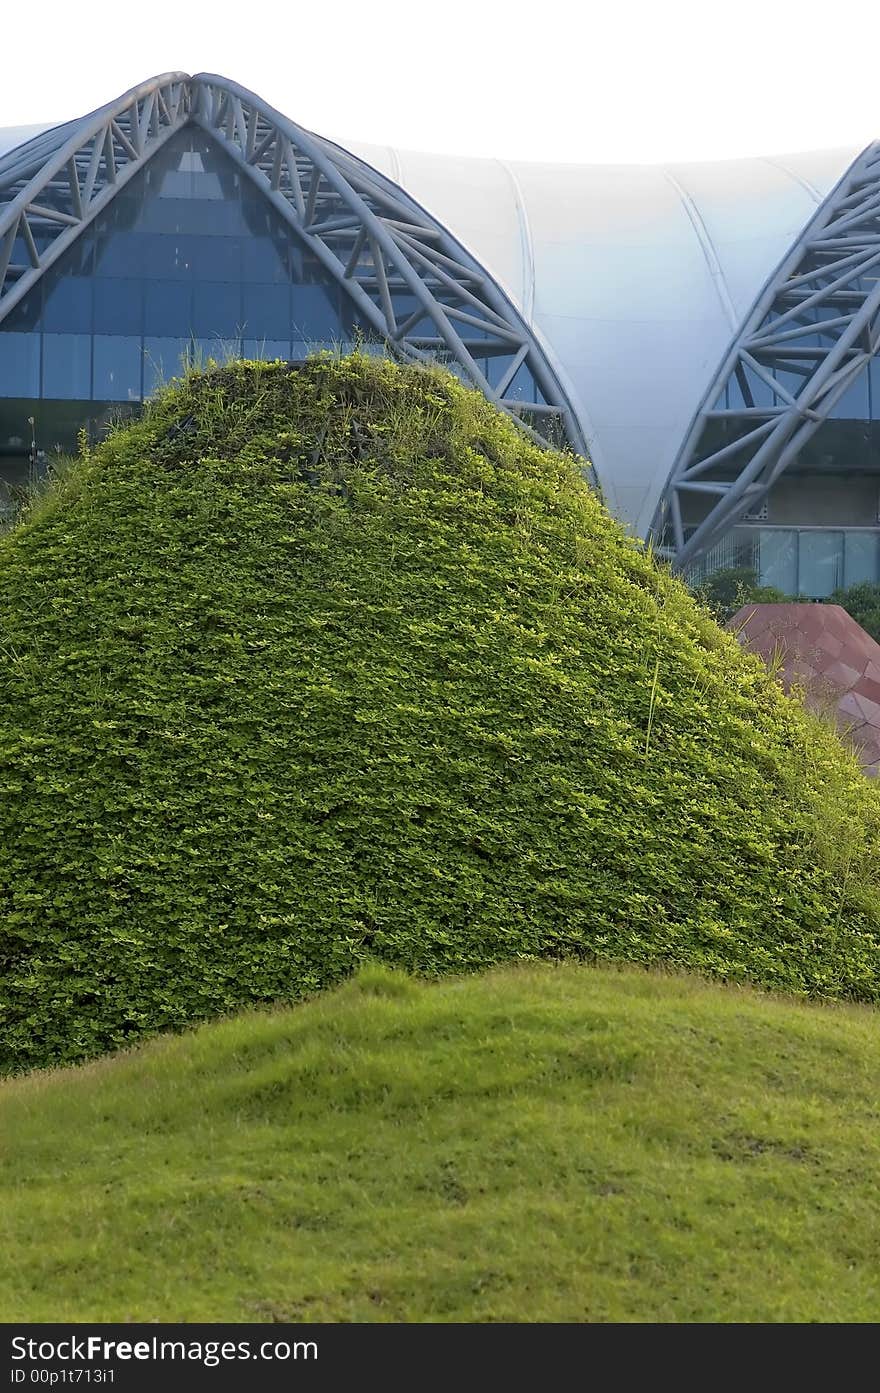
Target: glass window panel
[[217, 259], [860, 558], [264, 258], [58, 422], [25, 317], [164, 358], [21, 255], [853, 405], [117, 254], [78, 260], [209, 185], [118, 306], [67, 366], [315, 312], [777, 558], [175, 185], [760, 391], [267, 349], [216, 309], [186, 217], [820, 568], [124, 211], [166, 255], [874, 388], [117, 367], [266, 310], [68, 305], [522, 388], [404, 306], [215, 348], [19, 365], [168, 309], [791, 381]]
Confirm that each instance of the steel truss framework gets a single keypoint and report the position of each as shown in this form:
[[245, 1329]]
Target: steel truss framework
[[811, 332], [412, 283]]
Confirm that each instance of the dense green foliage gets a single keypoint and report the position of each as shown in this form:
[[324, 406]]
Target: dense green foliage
[[726, 591], [531, 1144], [863, 603], [312, 665]]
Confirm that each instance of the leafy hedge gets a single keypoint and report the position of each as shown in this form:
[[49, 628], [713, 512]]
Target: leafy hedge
[[862, 601], [724, 592], [310, 666]]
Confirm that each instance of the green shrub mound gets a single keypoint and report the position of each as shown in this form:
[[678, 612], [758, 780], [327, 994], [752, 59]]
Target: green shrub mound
[[313, 665]]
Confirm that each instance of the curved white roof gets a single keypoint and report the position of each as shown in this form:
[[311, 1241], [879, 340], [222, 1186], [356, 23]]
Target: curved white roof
[[634, 277], [10, 136]]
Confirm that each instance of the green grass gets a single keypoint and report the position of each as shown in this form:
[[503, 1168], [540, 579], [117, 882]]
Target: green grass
[[539, 1143], [310, 667]]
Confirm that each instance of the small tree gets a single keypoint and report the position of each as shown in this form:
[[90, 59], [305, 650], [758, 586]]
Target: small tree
[[724, 592], [863, 603]]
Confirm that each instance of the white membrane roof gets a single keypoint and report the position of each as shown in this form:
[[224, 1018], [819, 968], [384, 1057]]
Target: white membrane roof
[[633, 277]]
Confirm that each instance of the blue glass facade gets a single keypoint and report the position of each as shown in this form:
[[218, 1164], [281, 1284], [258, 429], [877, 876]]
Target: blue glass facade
[[189, 260]]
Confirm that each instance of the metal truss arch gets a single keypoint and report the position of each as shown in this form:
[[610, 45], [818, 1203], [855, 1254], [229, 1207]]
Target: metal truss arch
[[416, 287], [812, 331], [52, 187], [377, 242]]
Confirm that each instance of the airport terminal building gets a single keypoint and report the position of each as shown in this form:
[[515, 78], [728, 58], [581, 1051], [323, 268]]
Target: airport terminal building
[[703, 334]]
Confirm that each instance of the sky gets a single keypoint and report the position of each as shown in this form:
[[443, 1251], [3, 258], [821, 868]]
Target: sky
[[624, 80]]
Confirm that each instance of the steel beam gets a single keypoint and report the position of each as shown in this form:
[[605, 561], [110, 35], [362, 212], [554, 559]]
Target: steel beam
[[367, 233], [826, 288]]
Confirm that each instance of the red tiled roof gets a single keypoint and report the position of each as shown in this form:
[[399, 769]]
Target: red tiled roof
[[824, 650]]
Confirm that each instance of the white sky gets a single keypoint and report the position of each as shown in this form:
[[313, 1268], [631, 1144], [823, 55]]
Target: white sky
[[622, 80]]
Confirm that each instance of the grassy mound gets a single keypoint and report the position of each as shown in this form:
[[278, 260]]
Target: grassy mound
[[308, 666], [536, 1143]]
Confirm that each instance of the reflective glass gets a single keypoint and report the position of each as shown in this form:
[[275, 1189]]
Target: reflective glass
[[67, 366], [164, 358], [264, 259], [168, 308], [26, 316], [315, 312], [187, 252], [164, 256], [778, 558], [217, 259], [117, 367], [215, 349], [118, 306], [820, 568], [522, 387], [860, 558], [874, 387], [216, 308], [68, 304], [19, 365], [266, 308], [267, 349], [853, 405]]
